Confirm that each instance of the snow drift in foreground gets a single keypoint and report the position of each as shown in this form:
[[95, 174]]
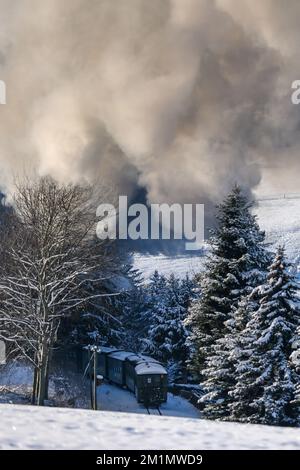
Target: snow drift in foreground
[[56, 428]]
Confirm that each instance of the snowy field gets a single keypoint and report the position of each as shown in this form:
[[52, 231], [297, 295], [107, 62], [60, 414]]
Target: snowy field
[[16, 383], [278, 216], [113, 398], [26, 427], [179, 265]]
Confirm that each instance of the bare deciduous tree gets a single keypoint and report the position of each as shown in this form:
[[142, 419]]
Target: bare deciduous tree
[[50, 256]]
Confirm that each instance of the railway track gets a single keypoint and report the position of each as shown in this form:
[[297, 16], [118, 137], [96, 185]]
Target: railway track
[[154, 411]]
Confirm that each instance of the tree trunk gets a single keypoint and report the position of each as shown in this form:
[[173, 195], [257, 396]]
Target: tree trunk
[[41, 391], [91, 379], [34, 386], [95, 381], [48, 374], [42, 376], [42, 386]]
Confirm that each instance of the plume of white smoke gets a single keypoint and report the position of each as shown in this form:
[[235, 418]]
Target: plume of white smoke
[[183, 98]]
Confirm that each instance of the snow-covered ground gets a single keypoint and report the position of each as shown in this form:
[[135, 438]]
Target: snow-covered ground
[[16, 384], [26, 427], [113, 398], [279, 216], [179, 265]]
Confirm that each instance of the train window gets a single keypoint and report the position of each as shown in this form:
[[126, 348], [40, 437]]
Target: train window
[[149, 380]]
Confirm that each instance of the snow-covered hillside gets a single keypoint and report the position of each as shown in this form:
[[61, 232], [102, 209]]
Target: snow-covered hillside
[[26, 427], [179, 265], [279, 216]]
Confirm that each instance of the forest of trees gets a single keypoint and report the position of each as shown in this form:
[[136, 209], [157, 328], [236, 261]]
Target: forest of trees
[[234, 328], [244, 324]]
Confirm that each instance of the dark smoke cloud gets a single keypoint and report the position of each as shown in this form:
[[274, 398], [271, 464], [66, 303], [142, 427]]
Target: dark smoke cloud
[[182, 98]]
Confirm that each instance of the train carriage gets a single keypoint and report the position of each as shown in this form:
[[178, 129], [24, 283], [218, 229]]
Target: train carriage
[[102, 361], [142, 375], [130, 374], [151, 383], [116, 367]]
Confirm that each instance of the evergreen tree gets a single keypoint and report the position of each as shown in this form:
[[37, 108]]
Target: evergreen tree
[[295, 359], [180, 293], [133, 305], [167, 334], [221, 365], [157, 314], [236, 264], [266, 384]]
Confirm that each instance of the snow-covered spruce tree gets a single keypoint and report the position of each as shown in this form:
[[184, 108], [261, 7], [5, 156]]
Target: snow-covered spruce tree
[[156, 316], [295, 359], [133, 306], [180, 294], [266, 382], [236, 265], [226, 354], [220, 375], [167, 334]]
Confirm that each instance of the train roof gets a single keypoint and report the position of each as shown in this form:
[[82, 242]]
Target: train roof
[[143, 364], [127, 355], [151, 368], [120, 355], [140, 358], [107, 350]]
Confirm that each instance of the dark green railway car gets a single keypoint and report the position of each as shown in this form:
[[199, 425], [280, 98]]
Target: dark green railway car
[[151, 383], [142, 375], [116, 371]]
